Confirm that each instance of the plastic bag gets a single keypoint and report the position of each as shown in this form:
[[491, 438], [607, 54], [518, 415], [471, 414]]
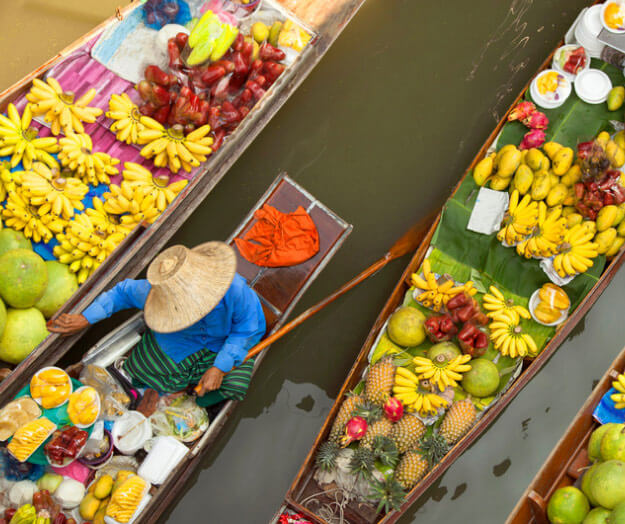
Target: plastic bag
[[157, 13], [114, 400], [179, 417]]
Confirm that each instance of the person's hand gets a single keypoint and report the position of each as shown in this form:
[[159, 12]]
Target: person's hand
[[210, 381], [67, 324]]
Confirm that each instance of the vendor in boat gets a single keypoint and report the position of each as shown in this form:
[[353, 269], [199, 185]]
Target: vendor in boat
[[202, 318]]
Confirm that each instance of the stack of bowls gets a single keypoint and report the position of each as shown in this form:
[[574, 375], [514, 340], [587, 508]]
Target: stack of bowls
[[588, 29]]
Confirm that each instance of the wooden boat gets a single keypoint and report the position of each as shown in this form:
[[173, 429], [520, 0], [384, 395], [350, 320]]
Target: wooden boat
[[569, 459], [304, 487], [326, 20], [279, 290]]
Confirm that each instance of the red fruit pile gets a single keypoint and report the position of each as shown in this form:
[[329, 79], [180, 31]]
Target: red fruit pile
[[473, 341], [464, 307], [526, 113], [65, 444], [220, 94], [440, 328]]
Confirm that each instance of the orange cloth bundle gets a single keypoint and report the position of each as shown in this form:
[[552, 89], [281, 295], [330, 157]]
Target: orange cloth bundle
[[279, 239]]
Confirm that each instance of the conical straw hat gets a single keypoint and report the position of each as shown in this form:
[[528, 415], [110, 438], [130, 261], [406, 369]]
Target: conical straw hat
[[187, 284]]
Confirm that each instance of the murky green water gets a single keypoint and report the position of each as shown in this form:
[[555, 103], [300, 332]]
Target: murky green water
[[381, 131]]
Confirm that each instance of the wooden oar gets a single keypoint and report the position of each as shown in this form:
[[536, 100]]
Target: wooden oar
[[406, 244]]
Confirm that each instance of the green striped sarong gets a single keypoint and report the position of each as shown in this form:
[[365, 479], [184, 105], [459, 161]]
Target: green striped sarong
[[149, 366]]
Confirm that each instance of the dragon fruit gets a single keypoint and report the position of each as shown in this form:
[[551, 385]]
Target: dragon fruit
[[522, 111], [537, 120], [355, 429], [393, 409], [533, 138]]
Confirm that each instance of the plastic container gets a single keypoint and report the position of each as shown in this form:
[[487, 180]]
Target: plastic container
[[551, 100], [130, 432], [588, 29], [604, 23], [67, 461], [99, 402], [555, 63], [103, 459], [71, 387], [165, 454], [593, 86], [534, 300]]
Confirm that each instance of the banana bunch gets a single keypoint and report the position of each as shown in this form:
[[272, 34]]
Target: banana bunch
[[576, 252], [170, 147], [132, 203], [21, 216], [51, 192], [92, 168], [519, 221], [103, 221], [509, 338], [84, 247], [127, 125], [437, 295], [158, 187], [415, 395], [19, 139], [619, 398], [60, 108], [9, 180], [495, 303], [549, 234], [442, 372]]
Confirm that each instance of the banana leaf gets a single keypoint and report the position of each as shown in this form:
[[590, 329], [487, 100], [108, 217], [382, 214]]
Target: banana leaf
[[574, 121]]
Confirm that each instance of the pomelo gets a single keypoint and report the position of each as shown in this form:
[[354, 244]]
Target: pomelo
[[597, 516], [23, 278], [25, 329], [613, 443], [606, 484], [594, 443], [567, 506], [617, 516], [61, 285], [448, 349], [405, 327], [11, 239], [586, 480], [482, 380], [3, 317]]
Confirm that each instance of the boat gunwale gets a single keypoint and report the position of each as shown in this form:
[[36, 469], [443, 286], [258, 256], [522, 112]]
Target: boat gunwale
[[304, 473]]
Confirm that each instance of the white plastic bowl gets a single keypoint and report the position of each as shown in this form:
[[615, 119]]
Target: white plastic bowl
[[602, 18], [564, 91], [134, 429], [71, 386], [534, 300], [593, 86]]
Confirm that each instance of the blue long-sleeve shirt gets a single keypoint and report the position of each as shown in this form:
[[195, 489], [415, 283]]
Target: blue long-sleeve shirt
[[229, 330]]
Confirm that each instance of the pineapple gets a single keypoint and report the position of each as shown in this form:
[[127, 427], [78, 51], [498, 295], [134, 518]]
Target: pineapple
[[385, 450], [433, 448], [379, 382], [458, 420], [326, 456], [369, 411], [346, 411], [381, 428], [362, 462], [407, 432], [388, 494], [411, 469]]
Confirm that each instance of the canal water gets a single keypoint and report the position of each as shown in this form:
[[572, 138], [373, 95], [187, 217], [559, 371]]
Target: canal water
[[380, 132]]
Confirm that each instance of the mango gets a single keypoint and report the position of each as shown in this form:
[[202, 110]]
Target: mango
[[553, 179], [562, 161], [534, 158], [619, 138], [616, 97], [570, 198], [572, 176], [573, 219], [615, 247], [483, 169], [523, 179], [554, 296], [603, 138], [606, 217], [590, 226], [615, 154], [546, 314], [260, 32], [508, 163], [540, 186], [604, 240], [274, 33], [568, 210], [498, 183], [103, 487], [551, 148], [621, 229], [546, 164], [620, 214], [89, 506]]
